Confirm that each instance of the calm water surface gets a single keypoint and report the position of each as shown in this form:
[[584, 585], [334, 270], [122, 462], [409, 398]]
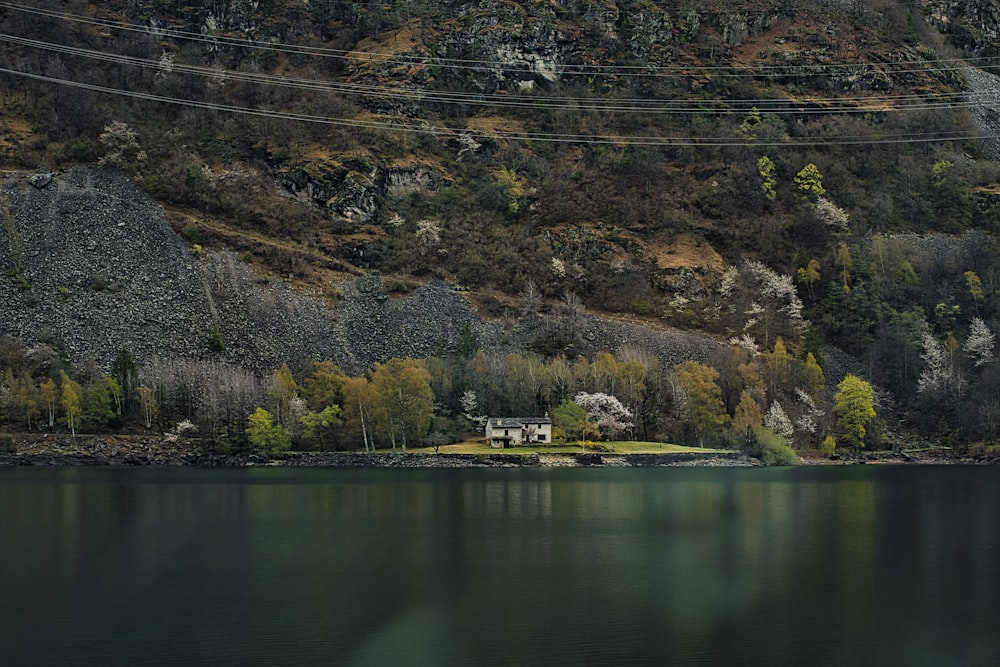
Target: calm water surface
[[834, 566]]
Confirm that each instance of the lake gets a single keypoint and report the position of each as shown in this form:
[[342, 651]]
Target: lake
[[859, 565]]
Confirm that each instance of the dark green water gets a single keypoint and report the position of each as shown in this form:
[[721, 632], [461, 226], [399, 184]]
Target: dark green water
[[832, 566]]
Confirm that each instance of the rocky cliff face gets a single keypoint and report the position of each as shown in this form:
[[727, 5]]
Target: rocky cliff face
[[973, 25], [92, 265]]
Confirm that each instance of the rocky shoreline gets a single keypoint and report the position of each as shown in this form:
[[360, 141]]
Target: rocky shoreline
[[371, 460], [126, 451]]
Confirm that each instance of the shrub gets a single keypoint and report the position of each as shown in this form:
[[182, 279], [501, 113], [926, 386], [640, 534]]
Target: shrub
[[774, 450], [215, 341], [828, 446]]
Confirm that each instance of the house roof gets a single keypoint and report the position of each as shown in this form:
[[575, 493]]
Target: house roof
[[516, 422]]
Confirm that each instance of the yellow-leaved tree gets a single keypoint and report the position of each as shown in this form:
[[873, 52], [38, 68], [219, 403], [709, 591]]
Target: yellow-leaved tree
[[403, 400], [700, 396], [854, 404], [72, 401]]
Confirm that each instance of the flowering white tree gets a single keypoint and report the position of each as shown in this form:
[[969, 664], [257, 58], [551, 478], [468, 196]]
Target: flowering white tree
[[428, 233], [776, 306], [832, 215], [606, 411], [746, 342], [979, 345], [807, 422], [778, 287], [470, 407], [777, 421], [937, 372], [121, 144]]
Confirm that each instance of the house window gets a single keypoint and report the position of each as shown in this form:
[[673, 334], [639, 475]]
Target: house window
[[506, 432], [541, 437]]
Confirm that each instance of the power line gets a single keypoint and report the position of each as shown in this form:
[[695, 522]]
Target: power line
[[812, 105], [905, 66], [425, 127]]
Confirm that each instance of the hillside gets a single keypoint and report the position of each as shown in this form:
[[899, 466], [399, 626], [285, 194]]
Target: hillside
[[822, 173]]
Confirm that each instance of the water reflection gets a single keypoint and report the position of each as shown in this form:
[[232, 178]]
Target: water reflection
[[481, 567]]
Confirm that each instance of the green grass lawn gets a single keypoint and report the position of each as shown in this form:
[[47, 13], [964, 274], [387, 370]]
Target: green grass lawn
[[615, 447]]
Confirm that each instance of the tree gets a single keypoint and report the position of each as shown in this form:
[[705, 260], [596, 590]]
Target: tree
[[26, 397], [126, 372], [606, 411], [975, 287], [747, 419], [779, 367], [845, 263], [937, 374], [569, 421], [323, 386], [403, 399], [282, 390], [98, 404], [147, 404], [808, 275], [951, 201], [359, 409], [316, 426], [700, 396], [810, 181], [50, 397], [72, 401], [777, 421], [765, 166], [121, 144], [811, 378], [979, 344], [832, 215], [470, 409], [266, 436], [854, 406]]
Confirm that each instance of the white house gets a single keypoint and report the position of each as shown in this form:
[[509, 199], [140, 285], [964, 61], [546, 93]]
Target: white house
[[512, 431]]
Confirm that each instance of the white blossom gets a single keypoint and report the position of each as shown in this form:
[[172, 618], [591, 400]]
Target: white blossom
[[468, 144], [937, 367], [679, 301], [831, 214], [121, 144], [806, 423], [728, 281], [805, 399], [979, 345], [428, 232], [470, 406], [166, 63], [558, 267], [776, 420], [182, 428], [746, 341], [778, 287], [606, 411]]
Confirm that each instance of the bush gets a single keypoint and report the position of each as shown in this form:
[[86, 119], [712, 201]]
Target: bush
[[773, 449], [7, 443]]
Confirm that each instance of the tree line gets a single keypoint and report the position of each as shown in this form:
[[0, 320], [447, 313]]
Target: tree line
[[769, 401]]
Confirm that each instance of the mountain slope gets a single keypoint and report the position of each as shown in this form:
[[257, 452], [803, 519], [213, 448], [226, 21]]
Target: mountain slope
[[744, 171]]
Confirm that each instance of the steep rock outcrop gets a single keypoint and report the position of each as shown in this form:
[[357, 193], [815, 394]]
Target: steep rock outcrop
[[973, 25], [93, 266]]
